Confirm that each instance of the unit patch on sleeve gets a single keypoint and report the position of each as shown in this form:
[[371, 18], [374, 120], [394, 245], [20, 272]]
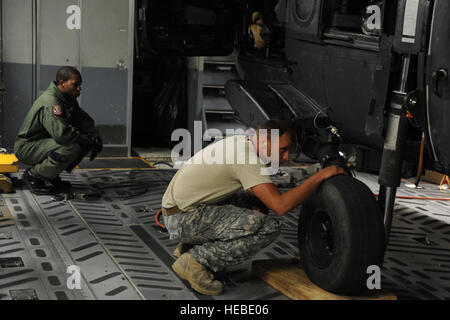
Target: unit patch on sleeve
[[57, 110]]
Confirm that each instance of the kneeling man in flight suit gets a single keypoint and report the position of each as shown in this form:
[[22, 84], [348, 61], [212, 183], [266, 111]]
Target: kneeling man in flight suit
[[56, 134], [214, 234]]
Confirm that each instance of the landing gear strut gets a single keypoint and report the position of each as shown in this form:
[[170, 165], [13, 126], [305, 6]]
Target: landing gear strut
[[391, 163]]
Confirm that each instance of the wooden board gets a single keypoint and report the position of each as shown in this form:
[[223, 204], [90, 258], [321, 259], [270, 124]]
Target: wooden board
[[433, 177], [288, 277]]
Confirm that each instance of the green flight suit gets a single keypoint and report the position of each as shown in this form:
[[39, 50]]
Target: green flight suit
[[55, 135]]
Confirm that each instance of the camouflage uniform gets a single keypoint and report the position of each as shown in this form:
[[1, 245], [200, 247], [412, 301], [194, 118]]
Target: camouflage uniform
[[55, 135], [223, 235]]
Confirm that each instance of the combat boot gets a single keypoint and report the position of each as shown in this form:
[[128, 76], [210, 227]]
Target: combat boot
[[200, 279], [36, 185], [61, 185], [181, 248]]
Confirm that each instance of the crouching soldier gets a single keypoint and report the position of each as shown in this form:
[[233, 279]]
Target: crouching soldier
[[56, 134], [216, 229]]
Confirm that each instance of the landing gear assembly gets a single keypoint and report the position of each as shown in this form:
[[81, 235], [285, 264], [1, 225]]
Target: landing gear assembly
[[340, 228]]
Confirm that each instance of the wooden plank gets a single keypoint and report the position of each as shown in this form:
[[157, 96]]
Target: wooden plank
[[433, 177], [288, 277]]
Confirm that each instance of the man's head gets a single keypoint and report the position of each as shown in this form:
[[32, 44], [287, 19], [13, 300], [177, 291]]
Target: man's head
[[68, 80], [267, 139]]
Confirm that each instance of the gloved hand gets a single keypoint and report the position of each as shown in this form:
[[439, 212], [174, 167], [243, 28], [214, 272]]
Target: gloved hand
[[96, 146], [93, 155]]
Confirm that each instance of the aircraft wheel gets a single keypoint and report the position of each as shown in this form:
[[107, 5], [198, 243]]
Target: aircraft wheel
[[341, 234]]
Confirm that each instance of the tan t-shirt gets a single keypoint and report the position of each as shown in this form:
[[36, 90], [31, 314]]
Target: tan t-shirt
[[215, 173]]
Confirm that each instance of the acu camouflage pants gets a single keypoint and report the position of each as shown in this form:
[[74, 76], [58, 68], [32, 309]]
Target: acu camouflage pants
[[223, 235]]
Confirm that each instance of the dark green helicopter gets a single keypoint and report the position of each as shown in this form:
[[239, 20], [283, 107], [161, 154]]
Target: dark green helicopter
[[362, 78]]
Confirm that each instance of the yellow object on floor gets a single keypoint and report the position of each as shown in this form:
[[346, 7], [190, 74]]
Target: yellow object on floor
[[7, 163], [257, 28]]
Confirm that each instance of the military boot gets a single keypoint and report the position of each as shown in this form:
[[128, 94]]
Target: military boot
[[200, 279], [36, 185], [61, 185], [181, 248]]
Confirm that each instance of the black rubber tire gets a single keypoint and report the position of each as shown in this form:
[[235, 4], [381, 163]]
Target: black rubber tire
[[348, 211]]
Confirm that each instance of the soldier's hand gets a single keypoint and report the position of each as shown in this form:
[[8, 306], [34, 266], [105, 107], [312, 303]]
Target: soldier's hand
[[331, 171], [95, 143], [93, 155], [98, 144], [95, 146]]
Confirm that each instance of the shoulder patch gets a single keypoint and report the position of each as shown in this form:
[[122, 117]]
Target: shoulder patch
[[56, 109]]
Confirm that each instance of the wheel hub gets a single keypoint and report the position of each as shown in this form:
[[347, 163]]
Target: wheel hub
[[320, 240]]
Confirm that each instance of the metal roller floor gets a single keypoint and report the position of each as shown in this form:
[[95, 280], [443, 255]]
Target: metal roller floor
[[122, 254]]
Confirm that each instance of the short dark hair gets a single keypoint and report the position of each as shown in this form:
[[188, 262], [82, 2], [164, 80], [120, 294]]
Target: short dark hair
[[65, 73], [283, 126]]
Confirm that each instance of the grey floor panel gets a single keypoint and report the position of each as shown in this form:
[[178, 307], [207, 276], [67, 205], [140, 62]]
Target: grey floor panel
[[86, 252], [122, 254], [43, 274], [418, 255]]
